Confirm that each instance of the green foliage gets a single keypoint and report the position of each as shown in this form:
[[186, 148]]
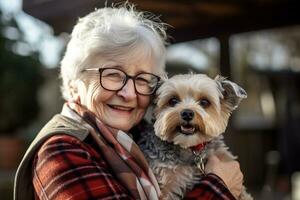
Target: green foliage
[[20, 78]]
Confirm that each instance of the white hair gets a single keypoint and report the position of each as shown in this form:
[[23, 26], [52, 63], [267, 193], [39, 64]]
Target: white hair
[[109, 33]]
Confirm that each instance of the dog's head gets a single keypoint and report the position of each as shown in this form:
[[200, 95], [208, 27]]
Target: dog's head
[[193, 108]]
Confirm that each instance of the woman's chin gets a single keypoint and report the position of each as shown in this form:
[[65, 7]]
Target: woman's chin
[[122, 120], [120, 125]]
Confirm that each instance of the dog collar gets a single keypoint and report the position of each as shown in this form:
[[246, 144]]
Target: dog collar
[[198, 148], [199, 158]]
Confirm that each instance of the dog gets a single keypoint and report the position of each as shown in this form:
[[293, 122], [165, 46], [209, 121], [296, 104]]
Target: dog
[[191, 113]]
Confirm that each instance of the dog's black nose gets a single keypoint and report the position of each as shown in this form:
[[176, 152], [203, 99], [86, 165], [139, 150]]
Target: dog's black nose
[[187, 114]]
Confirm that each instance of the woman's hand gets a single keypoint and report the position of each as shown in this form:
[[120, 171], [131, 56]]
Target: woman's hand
[[229, 172]]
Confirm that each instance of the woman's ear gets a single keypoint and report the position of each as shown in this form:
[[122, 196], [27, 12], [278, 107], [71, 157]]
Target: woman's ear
[[155, 96], [154, 99], [232, 93]]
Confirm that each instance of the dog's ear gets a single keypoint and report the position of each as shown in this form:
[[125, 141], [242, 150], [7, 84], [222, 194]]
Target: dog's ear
[[232, 93]]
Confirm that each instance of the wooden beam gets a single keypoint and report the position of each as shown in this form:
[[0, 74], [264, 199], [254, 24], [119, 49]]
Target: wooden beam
[[190, 19], [257, 18]]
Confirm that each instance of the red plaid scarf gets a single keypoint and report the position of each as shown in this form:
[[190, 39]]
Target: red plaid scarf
[[123, 155]]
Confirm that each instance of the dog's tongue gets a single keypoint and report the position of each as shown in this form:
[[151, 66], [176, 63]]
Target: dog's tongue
[[187, 129]]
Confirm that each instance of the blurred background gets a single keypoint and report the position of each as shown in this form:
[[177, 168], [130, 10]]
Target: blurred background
[[255, 43]]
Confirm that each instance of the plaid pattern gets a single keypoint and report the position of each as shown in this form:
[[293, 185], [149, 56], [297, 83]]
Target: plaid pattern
[[65, 168], [112, 167], [126, 162], [211, 187]]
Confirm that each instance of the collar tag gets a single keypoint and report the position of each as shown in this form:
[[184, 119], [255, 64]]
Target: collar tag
[[199, 156], [199, 162]]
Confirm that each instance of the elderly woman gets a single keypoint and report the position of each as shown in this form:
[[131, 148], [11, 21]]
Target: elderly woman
[[111, 69]]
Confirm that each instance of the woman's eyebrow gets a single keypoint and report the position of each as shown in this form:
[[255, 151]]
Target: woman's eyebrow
[[142, 71], [117, 66], [121, 66]]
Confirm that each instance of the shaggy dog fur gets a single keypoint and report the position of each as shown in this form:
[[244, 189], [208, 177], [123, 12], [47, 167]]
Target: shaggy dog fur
[[191, 110]]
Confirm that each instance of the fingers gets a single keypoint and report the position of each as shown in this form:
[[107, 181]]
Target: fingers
[[229, 172], [236, 183], [212, 160], [211, 163], [237, 190]]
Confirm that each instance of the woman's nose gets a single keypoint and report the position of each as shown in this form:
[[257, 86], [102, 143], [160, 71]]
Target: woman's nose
[[128, 91]]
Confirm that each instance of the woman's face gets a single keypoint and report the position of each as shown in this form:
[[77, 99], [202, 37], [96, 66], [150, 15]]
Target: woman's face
[[118, 109]]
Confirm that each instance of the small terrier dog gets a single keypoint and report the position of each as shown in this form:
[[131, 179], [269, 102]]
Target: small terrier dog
[[191, 113]]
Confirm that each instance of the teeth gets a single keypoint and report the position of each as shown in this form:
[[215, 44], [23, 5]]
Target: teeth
[[187, 129], [122, 108]]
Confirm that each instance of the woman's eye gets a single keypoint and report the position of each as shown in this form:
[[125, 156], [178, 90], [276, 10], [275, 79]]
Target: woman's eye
[[141, 81], [204, 103], [113, 76], [173, 101]]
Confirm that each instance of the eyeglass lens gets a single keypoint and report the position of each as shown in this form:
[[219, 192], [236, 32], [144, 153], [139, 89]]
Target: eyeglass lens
[[115, 79]]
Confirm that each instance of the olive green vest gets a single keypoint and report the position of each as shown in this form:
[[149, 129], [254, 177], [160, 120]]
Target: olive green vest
[[59, 124]]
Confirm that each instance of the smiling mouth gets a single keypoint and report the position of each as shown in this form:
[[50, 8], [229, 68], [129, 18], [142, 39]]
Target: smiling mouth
[[120, 108], [187, 129]]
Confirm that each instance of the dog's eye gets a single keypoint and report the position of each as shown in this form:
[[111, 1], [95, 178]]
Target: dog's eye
[[204, 103], [173, 101]]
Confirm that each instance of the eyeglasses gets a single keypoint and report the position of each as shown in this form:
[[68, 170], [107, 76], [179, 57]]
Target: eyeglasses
[[114, 79]]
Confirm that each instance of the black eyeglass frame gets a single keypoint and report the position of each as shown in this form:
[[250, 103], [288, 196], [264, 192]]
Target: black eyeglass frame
[[127, 77]]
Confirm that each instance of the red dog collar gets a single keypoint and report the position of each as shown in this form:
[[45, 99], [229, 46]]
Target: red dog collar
[[199, 147]]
